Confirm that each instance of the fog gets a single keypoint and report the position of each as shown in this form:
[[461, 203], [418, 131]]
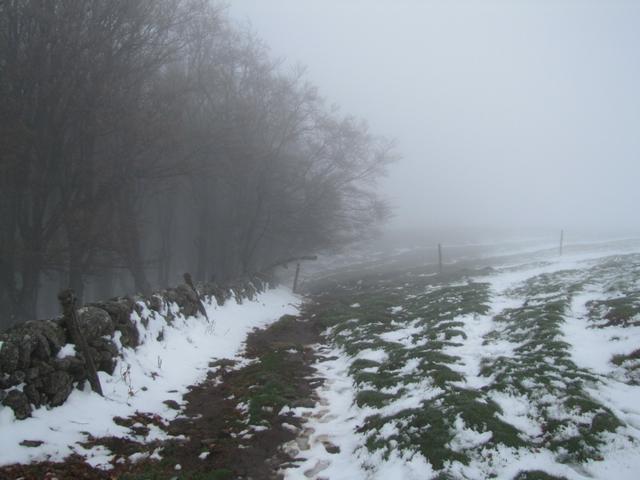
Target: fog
[[203, 147], [518, 115]]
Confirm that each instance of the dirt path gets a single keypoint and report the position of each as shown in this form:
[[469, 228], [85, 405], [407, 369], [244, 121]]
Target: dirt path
[[231, 426]]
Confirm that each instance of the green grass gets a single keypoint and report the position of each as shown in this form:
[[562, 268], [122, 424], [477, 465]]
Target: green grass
[[433, 313], [540, 370], [543, 359]]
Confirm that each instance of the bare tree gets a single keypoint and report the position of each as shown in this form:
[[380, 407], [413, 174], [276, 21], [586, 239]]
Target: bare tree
[[141, 135]]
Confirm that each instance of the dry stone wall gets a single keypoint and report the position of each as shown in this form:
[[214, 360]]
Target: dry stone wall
[[39, 364]]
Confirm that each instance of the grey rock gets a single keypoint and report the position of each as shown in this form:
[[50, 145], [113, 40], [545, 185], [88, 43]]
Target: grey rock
[[156, 303], [172, 404], [104, 360], [104, 345], [32, 393], [17, 377], [19, 403], [9, 354], [94, 323], [58, 387], [26, 345], [74, 366], [54, 334], [5, 381], [185, 298], [48, 337], [238, 293], [187, 301], [44, 368], [220, 294], [32, 373], [120, 309], [31, 443], [28, 342]]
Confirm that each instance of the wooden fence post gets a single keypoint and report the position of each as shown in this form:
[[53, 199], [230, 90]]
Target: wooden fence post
[[68, 302], [295, 279], [188, 280]]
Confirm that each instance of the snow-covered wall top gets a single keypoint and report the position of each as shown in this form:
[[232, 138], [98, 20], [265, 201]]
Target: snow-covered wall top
[[40, 365]]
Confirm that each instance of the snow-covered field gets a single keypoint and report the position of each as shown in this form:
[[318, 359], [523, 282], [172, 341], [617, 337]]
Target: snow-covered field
[[160, 369], [529, 370]]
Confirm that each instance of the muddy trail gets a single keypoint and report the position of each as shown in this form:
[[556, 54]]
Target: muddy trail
[[233, 425]]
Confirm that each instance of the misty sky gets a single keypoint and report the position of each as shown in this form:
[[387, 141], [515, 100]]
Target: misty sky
[[511, 113]]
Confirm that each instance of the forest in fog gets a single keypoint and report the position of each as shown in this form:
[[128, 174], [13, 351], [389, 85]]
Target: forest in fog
[[143, 139]]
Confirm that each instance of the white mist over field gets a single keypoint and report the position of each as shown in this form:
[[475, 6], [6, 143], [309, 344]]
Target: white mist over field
[[507, 114]]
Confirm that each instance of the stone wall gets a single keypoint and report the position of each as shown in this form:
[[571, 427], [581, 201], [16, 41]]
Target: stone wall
[[40, 366]]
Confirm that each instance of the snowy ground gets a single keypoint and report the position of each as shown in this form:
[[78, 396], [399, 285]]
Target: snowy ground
[[529, 368], [158, 370]]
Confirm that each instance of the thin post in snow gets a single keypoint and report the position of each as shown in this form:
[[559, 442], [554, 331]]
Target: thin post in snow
[[189, 281], [440, 257], [67, 300], [561, 240], [295, 279]]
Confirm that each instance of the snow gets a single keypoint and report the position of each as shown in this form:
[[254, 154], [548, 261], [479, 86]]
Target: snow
[[402, 335], [373, 355], [466, 438], [593, 348], [472, 350], [518, 411], [159, 371], [339, 425], [338, 418], [68, 350], [143, 379]]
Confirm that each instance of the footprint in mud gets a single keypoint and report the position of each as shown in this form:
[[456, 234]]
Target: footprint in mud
[[303, 443], [303, 440], [327, 418], [320, 413], [319, 466], [328, 445]]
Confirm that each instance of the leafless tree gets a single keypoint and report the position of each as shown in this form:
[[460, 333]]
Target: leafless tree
[[156, 135]]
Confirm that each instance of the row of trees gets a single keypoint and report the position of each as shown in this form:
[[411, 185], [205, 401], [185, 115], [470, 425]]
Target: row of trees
[[143, 138]]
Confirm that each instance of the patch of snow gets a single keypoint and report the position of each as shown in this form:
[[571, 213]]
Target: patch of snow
[[517, 410], [68, 350], [593, 348], [141, 380], [466, 438], [403, 335], [373, 355]]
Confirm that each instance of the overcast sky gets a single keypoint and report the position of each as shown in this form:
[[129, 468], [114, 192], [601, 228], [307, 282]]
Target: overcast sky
[[509, 113]]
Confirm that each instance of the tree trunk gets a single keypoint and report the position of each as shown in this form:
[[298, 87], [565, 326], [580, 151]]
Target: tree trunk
[[202, 241], [130, 246], [166, 223]]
